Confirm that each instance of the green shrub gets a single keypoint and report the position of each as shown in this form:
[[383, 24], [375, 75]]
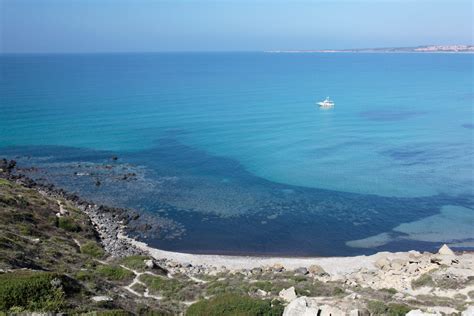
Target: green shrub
[[68, 224], [423, 280], [114, 273], [134, 262], [380, 308], [398, 309], [162, 285], [262, 285], [230, 304], [390, 291], [31, 291], [92, 249], [5, 182]]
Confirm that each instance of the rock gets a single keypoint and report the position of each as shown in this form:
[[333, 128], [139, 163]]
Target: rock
[[101, 298], [260, 292], [300, 307], [304, 306], [315, 269], [256, 270], [445, 250], [397, 264], [278, 267], [412, 267], [302, 271], [150, 264], [326, 310], [469, 311], [418, 312], [382, 263], [354, 312], [414, 256], [288, 294]]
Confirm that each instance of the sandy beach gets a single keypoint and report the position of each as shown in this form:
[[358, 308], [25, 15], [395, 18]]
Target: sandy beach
[[333, 265]]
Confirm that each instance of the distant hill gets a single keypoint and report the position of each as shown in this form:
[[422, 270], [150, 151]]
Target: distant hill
[[417, 49]]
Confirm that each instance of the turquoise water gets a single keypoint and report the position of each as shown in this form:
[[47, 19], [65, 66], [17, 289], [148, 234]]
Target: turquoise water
[[231, 144]]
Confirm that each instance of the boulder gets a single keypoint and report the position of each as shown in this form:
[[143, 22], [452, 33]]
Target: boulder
[[382, 263], [326, 310], [445, 250], [354, 312], [101, 298], [262, 293], [304, 306], [277, 267], [302, 271], [288, 294], [397, 264], [315, 269], [150, 264], [469, 311], [300, 307], [257, 270]]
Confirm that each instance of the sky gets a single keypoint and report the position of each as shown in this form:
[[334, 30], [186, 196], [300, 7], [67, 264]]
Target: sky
[[55, 26]]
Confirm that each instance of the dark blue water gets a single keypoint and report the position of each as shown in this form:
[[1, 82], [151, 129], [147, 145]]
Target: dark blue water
[[227, 153]]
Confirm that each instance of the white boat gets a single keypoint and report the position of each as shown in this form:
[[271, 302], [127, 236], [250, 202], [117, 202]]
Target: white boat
[[326, 104]]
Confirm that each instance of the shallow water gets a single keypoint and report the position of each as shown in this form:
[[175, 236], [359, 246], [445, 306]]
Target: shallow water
[[231, 155]]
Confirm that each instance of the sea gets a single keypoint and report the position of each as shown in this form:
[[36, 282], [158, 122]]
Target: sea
[[228, 153]]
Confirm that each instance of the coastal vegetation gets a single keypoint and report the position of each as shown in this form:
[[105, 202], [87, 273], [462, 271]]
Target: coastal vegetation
[[231, 304]]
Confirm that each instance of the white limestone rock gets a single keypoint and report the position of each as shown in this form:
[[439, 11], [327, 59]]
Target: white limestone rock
[[300, 307], [288, 294], [315, 269], [150, 264], [101, 298], [382, 263], [445, 250], [469, 311]]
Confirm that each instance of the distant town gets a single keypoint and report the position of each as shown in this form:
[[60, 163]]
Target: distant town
[[417, 49]]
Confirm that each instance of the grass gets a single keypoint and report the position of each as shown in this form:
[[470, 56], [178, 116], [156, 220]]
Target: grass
[[393, 309], [5, 182], [68, 224], [423, 280], [114, 273], [135, 262], [166, 287], [92, 249], [390, 291], [31, 291], [230, 304], [318, 288]]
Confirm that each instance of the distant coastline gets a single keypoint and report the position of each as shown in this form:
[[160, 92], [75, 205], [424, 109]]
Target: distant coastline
[[417, 49]]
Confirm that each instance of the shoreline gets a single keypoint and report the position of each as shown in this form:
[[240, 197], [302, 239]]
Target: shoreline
[[110, 223]]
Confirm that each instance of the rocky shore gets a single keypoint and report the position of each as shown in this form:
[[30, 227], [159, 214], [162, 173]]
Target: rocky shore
[[429, 283]]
